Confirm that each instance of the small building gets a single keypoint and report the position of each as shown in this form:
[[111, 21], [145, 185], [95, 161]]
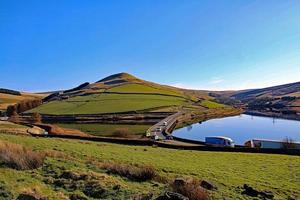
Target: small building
[[219, 141], [271, 144]]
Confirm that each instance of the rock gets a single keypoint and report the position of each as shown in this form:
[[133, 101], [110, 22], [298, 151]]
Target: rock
[[179, 182], [208, 185], [250, 191], [267, 194], [254, 193], [292, 198], [172, 196], [155, 185]]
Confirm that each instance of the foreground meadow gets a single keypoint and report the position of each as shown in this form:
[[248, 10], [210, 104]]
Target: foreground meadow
[[229, 171]]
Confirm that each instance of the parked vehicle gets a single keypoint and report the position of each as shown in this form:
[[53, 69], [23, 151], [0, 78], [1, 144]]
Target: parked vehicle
[[165, 123], [158, 129], [272, 144], [169, 137], [219, 141]]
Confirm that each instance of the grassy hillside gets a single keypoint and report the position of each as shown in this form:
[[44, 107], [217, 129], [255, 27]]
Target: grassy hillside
[[107, 103], [140, 88], [229, 171], [120, 93], [276, 91]]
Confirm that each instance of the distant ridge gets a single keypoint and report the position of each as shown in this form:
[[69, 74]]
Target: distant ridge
[[8, 91], [279, 90]]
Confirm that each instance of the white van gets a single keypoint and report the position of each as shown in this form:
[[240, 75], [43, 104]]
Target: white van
[[219, 141]]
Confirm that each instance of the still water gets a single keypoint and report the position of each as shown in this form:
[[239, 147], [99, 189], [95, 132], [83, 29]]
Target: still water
[[242, 128]]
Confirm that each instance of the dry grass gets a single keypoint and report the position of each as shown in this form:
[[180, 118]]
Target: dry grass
[[190, 189], [136, 173], [122, 133], [19, 157]]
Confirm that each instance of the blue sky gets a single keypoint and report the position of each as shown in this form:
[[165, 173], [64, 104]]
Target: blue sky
[[238, 44]]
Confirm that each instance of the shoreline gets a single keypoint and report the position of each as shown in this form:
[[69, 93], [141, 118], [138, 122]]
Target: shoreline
[[272, 115]]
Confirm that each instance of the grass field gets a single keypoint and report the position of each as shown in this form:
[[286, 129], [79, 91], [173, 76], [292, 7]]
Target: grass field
[[229, 171], [107, 129], [4, 124], [107, 103], [211, 104], [140, 88]]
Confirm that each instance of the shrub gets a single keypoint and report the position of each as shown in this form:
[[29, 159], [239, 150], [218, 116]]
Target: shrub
[[19, 157], [15, 118], [137, 173], [23, 106], [36, 118], [190, 189], [121, 132]]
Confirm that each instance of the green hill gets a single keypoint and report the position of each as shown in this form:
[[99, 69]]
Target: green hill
[[120, 93]]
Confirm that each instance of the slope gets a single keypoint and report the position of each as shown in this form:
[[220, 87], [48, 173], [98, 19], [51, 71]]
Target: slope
[[119, 93], [10, 98]]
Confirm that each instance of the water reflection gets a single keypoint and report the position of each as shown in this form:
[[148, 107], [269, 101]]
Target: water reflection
[[242, 128]]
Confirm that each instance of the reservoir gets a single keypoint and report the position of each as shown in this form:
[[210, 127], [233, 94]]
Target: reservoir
[[242, 128]]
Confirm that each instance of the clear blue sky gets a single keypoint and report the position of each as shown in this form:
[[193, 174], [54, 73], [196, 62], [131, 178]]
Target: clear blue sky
[[58, 44]]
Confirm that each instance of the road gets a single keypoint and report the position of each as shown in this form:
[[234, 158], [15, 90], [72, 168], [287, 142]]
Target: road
[[160, 129]]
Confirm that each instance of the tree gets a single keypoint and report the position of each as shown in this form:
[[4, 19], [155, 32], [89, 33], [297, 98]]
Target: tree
[[14, 117]]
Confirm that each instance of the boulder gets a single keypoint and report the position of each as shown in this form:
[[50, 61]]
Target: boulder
[[250, 191], [172, 196], [178, 182], [292, 198], [267, 194], [208, 185]]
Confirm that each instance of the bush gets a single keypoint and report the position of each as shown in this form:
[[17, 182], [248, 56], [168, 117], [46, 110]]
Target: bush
[[19, 157], [121, 132], [190, 189], [23, 106], [136, 173], [14, 117], [36, 118]]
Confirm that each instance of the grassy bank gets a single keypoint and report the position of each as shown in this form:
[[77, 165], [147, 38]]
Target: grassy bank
[[107, 129], [229, 171]]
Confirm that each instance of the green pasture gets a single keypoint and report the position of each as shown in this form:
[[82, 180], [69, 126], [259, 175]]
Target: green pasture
[[229, 171], [107, 129], [107, 103]]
